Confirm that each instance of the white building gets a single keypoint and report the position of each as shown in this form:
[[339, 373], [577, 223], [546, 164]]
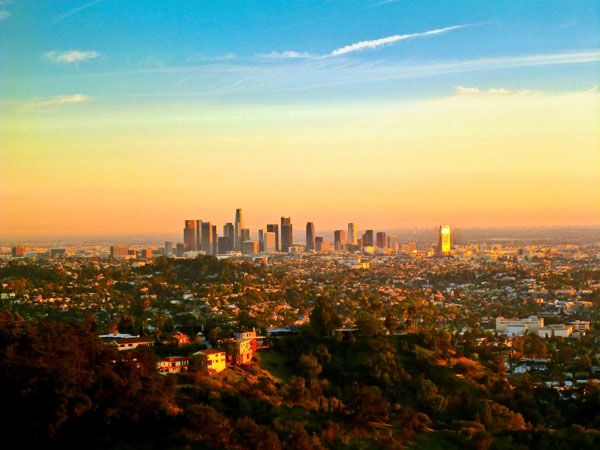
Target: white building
[[580, 325], [532, 323], [555, 330]]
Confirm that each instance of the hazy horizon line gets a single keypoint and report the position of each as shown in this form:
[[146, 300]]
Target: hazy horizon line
[[300, 230]]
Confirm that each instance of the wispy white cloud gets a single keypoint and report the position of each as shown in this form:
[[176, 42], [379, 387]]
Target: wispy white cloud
[[44, 103], [199, 57], [288, 54], [5, 14], [71, 56], [296, 74], [473, 91], [75, 98], [74, 11], [388, 40], [381, 3]]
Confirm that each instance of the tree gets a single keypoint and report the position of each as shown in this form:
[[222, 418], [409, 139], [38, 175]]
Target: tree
[[251, 435], [366, 404], [323, 318], [309, 367], [534, 346], [209, 426], [391, 322], [368, 325]]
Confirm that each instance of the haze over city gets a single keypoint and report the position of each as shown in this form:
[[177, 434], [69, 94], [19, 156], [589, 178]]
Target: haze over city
[[389, 115]]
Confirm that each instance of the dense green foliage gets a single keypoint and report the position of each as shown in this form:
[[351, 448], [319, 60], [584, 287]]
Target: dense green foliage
[[67, 388]]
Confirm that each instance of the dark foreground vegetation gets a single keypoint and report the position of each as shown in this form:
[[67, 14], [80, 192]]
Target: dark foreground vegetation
[[63, 388]]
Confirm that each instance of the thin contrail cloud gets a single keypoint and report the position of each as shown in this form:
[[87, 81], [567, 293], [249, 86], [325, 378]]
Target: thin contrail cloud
[[76, 10], [388, 40]]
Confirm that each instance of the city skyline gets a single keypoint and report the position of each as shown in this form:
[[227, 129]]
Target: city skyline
[[266, 239], [453, 112]]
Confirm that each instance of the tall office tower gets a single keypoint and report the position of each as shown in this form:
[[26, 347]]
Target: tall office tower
[[245, 234], [287, 237], [269, 244], [368, 239], [168, 248], [198, 235], [352, 237], [310, 236], [381, 240], [318, 243], [339, 239], [224, 245], [215, 241], [261, 240], [274, 228], [179, 250], [189, 235], [207, 238], [444, 240], [239, 224], [228, 230]]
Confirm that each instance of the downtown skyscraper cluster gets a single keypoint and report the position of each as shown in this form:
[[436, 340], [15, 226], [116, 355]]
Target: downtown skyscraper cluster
[[201, 236]]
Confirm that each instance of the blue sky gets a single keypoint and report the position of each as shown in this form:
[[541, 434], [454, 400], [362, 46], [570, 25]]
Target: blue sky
[[388, 113], [273, 51]]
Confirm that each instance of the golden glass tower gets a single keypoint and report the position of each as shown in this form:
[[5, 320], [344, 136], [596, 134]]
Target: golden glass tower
[[444, 240]]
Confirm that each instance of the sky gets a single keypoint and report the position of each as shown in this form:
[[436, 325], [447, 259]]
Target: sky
[[125, 116]]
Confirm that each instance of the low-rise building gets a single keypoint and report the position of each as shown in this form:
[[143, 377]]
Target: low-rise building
[[532, 323], [173, 364], [580, 325], [180, 338], [215, 360], [127, 342], [558, 330], [243, 351]]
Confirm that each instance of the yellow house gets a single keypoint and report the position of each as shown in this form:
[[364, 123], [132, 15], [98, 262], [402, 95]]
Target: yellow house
[[215, 360]]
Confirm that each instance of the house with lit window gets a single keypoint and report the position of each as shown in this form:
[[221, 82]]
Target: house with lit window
[[181, 339], [173, 364], [258, 342], [215, 360], [243, 351]]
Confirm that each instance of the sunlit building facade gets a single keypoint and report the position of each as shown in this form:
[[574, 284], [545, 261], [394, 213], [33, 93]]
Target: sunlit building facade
[[444, 240], [189, 235], [274, 228]]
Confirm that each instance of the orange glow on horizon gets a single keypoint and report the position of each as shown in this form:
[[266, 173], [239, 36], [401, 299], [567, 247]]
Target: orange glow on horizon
[[469, 160]]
